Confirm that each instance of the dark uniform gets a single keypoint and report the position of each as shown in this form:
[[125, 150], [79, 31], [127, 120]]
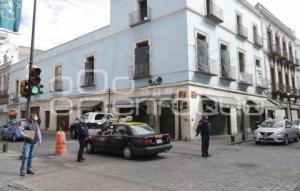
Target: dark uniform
[[203, 128], [83, 133]]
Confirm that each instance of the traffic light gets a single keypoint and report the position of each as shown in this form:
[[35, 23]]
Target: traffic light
[[35, 86], [24, 88]]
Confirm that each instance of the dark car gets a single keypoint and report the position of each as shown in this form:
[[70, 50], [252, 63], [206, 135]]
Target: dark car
[[94, 128], [129, 139], [14, 130]]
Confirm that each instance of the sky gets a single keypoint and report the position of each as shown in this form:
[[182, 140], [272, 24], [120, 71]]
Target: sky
[[59, 21]]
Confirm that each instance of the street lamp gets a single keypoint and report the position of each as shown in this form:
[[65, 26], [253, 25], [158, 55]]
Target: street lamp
[[290, 99]]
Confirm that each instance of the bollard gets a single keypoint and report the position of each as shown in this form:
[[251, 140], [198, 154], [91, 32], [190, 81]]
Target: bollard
[[5, 147], [60, 143], [244, 137], [232, 139]]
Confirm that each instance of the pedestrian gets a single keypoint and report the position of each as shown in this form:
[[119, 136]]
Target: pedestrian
[[203, 128], [32, 136], [83, 134]]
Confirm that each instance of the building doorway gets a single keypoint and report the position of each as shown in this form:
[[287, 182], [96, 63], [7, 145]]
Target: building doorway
[[62, 120], [167, 122]]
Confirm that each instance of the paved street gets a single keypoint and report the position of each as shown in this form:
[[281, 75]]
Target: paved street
[[231, 167]]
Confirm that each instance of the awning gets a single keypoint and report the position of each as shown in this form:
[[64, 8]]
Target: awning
[[12, 112], [226, 102], [124, 104], [156, 97], [88, 104], [270, 104]]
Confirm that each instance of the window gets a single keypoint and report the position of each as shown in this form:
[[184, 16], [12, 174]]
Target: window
[[120, 130], [57, 81], [99, 116], [202, 53], [255, 32], [89, 77], [143, 5], [227, 71], [17, 88], [287, 80], [238, 21], [270, 44], [142, 60], [257, 63], [242, 62]]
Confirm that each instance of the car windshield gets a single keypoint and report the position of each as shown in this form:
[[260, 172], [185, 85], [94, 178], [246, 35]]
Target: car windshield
[[267, 124], [297, 122], [273, 124], [143, 129]]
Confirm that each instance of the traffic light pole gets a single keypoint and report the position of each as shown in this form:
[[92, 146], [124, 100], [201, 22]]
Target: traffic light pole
[[28, 108]]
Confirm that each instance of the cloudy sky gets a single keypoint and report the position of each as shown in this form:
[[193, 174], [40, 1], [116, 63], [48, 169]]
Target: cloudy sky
[[59, 21]]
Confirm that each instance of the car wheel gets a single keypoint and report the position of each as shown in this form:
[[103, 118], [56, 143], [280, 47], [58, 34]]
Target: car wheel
[[14, 138], [257, 142], [155, 154], [297, 138], [90, 148], [286, 140], [127, 153]]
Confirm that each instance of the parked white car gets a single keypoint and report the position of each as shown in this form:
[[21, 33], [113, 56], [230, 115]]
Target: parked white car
[[99, 118], [276, 131]]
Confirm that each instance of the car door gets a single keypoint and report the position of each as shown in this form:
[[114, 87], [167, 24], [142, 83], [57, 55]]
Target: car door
[[289, 129], [102, 139], [118, 138]]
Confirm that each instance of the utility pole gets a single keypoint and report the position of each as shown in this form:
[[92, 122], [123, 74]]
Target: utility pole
[[28, 112], [179, 120], [109, 104]]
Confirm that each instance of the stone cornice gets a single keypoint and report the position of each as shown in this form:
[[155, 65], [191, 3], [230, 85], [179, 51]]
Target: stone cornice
[[275, 21]]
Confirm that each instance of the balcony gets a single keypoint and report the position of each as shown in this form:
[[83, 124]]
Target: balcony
[[295, 92], [284, 55], [258, 41], [87, 80], [297, 63], [262, 83], [229, 73], [291, 59], [207, 66], [275, 51], [140, 17], [214, 13], [245, 78], [242, 31], [58, 85], [282, 89]]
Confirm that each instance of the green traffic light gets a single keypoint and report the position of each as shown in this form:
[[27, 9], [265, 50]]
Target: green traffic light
[[34, 90]]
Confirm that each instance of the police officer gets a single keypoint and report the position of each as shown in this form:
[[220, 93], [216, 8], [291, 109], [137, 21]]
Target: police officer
[[203, 128], [83, 134]]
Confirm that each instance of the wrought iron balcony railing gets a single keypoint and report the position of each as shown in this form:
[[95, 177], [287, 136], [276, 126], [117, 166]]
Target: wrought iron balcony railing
[[275, 51], [214, 12], [229, 73], [258, 41], [140, 17], [262, 83], [246, 78], [88, 79], [242, 31], [207, 66]]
